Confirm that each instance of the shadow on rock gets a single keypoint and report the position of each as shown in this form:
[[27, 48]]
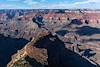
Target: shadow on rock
[[8, 47], [76, 21], [58, 55], [88, 31]]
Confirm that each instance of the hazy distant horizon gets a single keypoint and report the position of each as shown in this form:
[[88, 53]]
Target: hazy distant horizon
[[46, 8], [49, 4]]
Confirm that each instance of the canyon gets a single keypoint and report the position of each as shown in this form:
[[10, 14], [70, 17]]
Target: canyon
[[50, 38]]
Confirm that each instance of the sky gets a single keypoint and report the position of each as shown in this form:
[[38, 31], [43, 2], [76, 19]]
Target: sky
[[49, 4]]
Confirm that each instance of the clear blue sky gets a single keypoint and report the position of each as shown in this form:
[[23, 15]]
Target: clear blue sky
[[49, 4]]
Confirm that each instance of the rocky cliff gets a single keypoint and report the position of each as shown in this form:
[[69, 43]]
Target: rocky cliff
[[64, 39], [48, 51]]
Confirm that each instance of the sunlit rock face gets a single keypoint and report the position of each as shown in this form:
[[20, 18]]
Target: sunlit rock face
[[18, 29], [91, 19]]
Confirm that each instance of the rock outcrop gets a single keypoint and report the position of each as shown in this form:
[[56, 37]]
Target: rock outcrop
[[50, 51], [40, 55]]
